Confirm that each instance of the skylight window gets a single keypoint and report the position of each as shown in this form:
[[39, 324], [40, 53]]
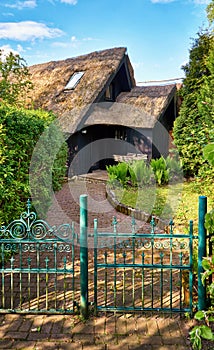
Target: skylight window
[[74, 81]]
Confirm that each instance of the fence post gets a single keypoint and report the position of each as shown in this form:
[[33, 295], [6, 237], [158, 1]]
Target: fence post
[[201, 251], [95, 267], [84, 256]]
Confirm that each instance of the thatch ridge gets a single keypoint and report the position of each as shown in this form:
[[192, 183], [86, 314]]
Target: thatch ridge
[[147, 103], [50, 79]]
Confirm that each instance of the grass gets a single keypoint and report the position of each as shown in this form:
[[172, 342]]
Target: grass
[[178, 201]]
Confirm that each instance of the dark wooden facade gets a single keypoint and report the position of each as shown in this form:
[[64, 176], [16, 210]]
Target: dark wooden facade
[[89, 112]]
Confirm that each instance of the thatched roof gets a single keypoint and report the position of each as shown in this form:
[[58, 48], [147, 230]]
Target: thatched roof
[[119, 114], [151, 100], [139, 108], [50, 79]]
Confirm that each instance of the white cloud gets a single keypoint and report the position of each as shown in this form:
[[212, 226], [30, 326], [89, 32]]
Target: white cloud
[[6, 50], [20, 48], [69, 2], [61, 44], [27, 30], [89, 39], [201, 2], [7, 14], [197, 2], [20, 5], [74, 42], [162, 1]]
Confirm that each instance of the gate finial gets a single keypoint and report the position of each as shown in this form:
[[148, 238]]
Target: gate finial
[[114, 224], [171, 224], [152, 223], [28, 204]]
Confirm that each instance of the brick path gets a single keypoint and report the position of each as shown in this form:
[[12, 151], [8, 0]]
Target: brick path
[[107, 331], [66, 206]]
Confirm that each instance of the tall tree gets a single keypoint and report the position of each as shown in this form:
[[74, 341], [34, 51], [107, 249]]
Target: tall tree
[[14, 79], [210, 11], [192, 129]]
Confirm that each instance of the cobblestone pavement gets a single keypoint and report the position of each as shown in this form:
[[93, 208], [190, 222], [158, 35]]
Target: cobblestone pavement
[[107, 331]]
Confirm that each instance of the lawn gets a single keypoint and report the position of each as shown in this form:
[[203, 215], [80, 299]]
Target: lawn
[[178, 201]]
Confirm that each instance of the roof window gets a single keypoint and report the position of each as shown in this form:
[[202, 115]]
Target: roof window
[[74, 81]]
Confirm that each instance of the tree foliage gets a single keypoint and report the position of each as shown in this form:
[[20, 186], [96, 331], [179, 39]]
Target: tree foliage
[[14, 79], [20, 130], [210, 12], [193, 128]]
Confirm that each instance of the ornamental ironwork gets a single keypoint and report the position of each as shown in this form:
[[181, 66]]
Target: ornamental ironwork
[[29, 227]]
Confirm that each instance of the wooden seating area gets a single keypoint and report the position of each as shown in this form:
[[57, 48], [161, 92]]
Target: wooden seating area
[[130, 157]]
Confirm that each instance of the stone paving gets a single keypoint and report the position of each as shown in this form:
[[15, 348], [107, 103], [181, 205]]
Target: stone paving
[[106, 331]]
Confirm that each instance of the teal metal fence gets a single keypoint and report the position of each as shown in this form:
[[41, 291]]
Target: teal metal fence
[[37, 266], [45, 269], [150, 271], [144, 271]]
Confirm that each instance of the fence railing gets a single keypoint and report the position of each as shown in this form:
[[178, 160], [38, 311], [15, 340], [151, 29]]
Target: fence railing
[[37, 266], [123, 270], [42, 269]]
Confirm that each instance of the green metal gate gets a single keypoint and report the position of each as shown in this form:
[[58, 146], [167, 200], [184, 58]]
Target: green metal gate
[[144, 271], [149, 271], [45, 269], [37, 266]]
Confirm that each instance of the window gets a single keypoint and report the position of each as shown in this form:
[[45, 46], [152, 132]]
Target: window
[[120, 134], [73, 82], [109, 93]]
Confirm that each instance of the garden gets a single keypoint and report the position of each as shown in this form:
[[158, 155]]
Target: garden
[[152, 188], [167, 188]]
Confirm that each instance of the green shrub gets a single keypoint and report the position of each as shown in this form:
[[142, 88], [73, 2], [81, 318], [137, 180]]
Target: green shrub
[[175, 168], [204, 331], [118, 173], [140, 173], [20, 130], [161, 172], [193, 128]]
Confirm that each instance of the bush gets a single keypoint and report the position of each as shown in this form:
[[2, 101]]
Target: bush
[[193, 128], [20, 130], [175, 168], [161, 172], [204, 330], [118, 173], [140, 173]]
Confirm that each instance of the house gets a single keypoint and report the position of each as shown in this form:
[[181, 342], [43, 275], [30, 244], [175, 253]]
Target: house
[[101, 109]]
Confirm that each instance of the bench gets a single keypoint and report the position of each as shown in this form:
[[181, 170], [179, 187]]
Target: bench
[[130, 157]]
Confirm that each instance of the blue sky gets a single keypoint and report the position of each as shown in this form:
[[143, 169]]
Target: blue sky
[[157, 33]]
